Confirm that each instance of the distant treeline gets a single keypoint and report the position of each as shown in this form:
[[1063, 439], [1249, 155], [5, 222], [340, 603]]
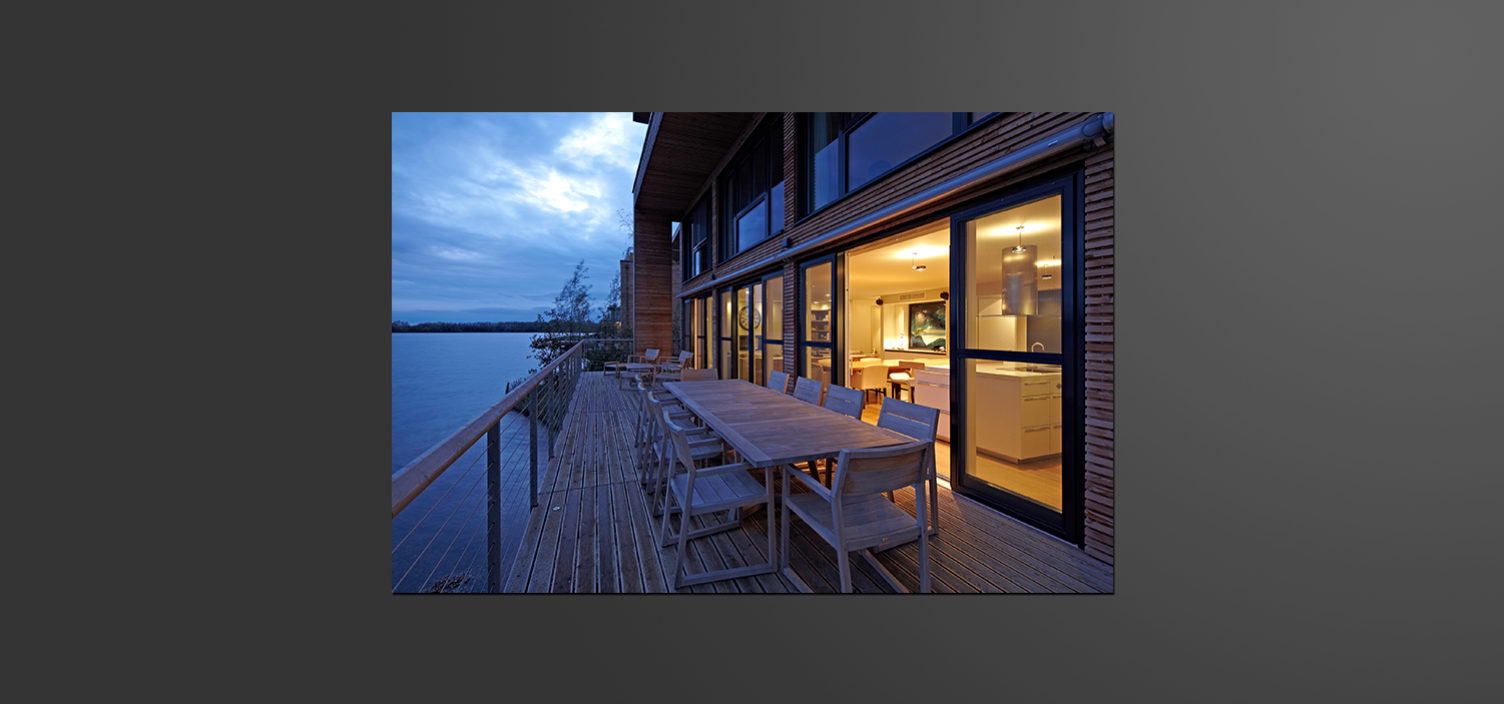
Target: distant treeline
[[535, 326]]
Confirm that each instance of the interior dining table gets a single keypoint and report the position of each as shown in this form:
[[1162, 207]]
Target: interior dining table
[[770, 429]]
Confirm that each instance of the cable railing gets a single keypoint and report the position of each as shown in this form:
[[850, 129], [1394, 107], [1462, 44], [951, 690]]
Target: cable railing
[[452, 506]]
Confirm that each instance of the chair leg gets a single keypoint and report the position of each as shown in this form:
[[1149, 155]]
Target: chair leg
[[679, 570], [845, 560]]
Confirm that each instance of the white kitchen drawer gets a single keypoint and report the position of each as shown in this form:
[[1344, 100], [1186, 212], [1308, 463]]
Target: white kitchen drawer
[[1034, 443], [942, 430], [1040, 386], [1035, 410], [1055, 439]]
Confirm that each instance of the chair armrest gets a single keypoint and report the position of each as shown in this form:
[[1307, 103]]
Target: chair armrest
[[815, 486], [722, 469]]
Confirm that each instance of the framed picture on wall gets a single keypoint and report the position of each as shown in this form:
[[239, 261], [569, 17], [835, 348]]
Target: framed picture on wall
[[927, 326]]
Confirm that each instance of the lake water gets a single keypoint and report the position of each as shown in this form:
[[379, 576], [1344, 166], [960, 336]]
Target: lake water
[[443, 380]]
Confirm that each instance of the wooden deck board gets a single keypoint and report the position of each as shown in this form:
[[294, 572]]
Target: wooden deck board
[[602, 537]]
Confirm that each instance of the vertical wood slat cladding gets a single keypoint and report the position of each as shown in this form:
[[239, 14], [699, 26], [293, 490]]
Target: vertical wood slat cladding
[[1099, 355], [652, 289]]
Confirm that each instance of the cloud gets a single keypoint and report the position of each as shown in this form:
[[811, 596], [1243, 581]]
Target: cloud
[[490, 212]]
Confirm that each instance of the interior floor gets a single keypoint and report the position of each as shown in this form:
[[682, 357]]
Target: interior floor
[[1038, 480]]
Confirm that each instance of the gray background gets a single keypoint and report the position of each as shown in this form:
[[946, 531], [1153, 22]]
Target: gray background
[[1308, 385]]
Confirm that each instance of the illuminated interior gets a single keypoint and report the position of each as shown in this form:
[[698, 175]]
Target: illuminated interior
[[896, 329]]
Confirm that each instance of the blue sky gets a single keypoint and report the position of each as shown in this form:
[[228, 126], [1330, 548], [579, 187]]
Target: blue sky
[[491, 211]]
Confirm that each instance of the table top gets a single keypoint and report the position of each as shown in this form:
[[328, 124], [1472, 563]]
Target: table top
[[770, 429]]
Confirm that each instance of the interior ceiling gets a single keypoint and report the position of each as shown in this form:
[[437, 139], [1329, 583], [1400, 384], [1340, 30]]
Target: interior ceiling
[[887, 267]]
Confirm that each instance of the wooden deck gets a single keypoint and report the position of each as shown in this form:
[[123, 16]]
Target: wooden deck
[[590, 532]]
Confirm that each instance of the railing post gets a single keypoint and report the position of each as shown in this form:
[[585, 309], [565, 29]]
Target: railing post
[[493, 508], [553, 411], [532, 443]]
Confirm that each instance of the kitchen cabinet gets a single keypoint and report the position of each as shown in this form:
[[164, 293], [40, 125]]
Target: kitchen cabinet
[[1017, 412]]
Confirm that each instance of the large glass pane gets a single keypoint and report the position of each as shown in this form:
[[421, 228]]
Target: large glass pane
[[728, 323], [819, 311], [708, 312], [698, 332], [817, 363], [775, 209], [1013, 294], [773, 325], [888, 139], [754, 317], [824, 153], [1013, 429], [743, 328], [817, 298], [752, 226]]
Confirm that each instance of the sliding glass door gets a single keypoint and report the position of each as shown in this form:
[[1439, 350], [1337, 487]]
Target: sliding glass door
[[771, 333], [1017, 366], [817, 334]]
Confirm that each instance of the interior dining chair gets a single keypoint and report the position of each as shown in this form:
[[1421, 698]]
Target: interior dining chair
[[699, 491], [778, 381], [918, 422], [852, 514], [808, 390]]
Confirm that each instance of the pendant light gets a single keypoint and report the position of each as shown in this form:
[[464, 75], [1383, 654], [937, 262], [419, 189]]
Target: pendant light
[[1020, 248], [916, 267]]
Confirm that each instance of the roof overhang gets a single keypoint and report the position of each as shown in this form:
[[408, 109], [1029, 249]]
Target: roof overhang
[[681, 151]]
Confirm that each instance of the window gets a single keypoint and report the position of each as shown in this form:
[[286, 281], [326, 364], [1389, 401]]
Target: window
[[696, 245], [752, 190], [844, 151]]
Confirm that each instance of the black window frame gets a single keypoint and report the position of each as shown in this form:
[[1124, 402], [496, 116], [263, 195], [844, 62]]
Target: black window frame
[[961, 122], [695, 247], [767, 136]]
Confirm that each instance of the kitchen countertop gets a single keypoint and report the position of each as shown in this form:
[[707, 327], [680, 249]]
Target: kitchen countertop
[[1009, 369]]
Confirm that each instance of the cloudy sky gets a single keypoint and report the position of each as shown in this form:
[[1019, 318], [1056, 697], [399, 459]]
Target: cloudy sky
[[491, 211]]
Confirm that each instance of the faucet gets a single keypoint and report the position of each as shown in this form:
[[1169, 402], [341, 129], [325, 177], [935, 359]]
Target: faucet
[[1041, 346]]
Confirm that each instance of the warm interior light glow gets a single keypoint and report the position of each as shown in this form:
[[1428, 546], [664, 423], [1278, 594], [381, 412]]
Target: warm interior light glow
[[1047, 262]]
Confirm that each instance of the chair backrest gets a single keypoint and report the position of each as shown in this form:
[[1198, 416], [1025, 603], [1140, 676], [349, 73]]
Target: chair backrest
[[680, 435], [843, 400], [692, 374], [807, 389], [778, 381], [686, 355], [651, 353], [879, 469], [911, 419], [910, 365]]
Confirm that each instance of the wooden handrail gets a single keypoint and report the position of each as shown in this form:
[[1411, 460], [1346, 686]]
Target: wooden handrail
[[412, 479]]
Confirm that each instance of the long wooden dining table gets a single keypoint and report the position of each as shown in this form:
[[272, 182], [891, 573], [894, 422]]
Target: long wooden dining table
[[770, 429]]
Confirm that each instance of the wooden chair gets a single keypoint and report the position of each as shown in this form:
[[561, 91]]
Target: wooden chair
[[652, 453], [778, 381], [903, 376], [672, 369], [698, 491], [918, 422], [645, 363], [808, 390], [844, 400], [852, 514]]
